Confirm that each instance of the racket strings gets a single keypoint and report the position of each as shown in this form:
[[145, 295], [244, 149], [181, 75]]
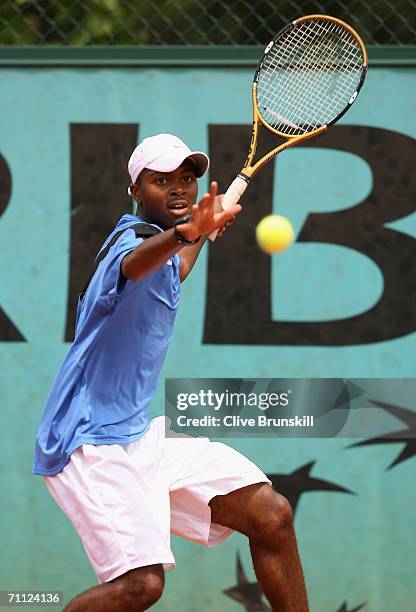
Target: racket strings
[[310, 89], [293, 85], [291, 90], [327, 57], [308, 77], [305, 60]]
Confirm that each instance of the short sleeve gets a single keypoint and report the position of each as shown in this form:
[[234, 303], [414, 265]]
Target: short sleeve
[[113, 279], [108, 281]]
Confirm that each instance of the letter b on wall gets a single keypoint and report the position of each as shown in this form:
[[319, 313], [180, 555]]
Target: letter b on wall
[[238, 306]]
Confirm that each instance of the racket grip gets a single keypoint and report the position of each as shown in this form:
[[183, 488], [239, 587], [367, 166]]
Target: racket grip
[[231, 197]]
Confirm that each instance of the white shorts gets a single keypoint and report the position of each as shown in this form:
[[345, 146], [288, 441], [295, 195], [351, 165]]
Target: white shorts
[[124, 500]]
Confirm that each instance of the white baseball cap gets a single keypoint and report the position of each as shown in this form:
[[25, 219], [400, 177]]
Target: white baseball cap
[[164, 153]]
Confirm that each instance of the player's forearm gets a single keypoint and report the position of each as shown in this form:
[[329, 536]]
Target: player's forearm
[[189, 255], [150, 255]]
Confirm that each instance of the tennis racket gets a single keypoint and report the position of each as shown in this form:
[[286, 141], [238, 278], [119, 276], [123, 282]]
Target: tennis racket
[[308, 77]]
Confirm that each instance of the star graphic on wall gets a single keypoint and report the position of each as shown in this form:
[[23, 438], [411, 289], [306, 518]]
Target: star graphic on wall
[[246, 593], [406, 436], [293, 485], [250, 596], [344, 608]]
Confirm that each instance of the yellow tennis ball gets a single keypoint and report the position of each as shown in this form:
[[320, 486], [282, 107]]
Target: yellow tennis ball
[[274, 233]]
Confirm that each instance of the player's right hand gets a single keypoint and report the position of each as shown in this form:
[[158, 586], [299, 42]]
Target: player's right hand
[[204, 217]]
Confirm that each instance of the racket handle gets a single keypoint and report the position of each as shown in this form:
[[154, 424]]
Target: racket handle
[[231, 197]]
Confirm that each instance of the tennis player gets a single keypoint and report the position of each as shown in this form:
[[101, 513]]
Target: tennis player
[[121, 481]]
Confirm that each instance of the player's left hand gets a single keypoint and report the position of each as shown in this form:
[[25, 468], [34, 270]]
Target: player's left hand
[[206, 217]]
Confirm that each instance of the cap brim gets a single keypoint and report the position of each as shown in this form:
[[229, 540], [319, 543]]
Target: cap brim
[[169, 163]]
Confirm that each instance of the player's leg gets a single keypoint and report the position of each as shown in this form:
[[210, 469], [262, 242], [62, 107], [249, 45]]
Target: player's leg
[[134, 591], [124, 525], [217, 490], [266, 518]]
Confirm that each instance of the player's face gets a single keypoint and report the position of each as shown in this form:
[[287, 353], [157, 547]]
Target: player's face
[[167, 196]]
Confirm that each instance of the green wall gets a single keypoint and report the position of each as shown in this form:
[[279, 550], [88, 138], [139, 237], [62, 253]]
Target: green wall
[[355, 548]]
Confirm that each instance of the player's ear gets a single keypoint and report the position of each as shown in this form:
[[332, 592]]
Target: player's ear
[[135, 191]]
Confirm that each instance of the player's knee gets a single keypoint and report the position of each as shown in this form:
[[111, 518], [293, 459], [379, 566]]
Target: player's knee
[[142, 587], [152, 589], [273, 520], [282, 515]]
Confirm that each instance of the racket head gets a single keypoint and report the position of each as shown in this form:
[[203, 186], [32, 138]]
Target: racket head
[[309, 76]]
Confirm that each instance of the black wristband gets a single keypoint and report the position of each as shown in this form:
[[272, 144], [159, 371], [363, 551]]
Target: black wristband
[[181, 239]]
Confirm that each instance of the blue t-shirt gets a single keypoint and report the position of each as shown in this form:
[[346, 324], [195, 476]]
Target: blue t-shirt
[[123, 329]]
